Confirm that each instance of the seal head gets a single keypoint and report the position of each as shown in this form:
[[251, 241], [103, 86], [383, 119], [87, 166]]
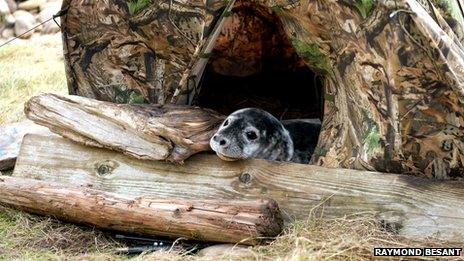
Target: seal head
[[252, 133]]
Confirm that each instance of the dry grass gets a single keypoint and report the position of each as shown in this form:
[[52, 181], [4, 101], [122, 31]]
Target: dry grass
[[27, 69], [24, 236], [28, 237]]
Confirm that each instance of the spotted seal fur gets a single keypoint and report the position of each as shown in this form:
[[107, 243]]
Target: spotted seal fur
[[254, 133]]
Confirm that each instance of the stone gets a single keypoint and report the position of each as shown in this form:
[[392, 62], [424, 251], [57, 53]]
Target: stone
[[31, 4], [8, 33], [51, 9], [9, 21], [12, 5], [24, 22], [50, 4], [4, 9]]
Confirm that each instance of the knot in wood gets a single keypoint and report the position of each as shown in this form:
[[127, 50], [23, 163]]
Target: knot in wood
[[106, 167], [245, 178], [176, 213]]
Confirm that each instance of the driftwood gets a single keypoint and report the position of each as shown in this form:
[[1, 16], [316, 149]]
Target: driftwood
[[11, 137], [412, 206], [143, 131], [211, 220]]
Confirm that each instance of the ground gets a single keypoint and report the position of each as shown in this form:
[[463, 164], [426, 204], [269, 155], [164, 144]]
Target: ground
[[26, 69], [31, 67]]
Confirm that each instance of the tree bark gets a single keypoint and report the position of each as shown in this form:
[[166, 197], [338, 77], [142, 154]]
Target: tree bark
[[245, 222], [150, 132]]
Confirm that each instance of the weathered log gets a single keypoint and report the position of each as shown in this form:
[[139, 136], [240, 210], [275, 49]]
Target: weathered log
[[11, 137], [151, 132], [412, 206], [247, 222]]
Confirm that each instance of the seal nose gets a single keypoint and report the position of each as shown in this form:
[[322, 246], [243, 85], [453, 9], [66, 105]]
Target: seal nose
[[223, 142]]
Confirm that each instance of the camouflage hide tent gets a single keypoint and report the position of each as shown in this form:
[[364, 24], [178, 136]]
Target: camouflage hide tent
[[386, 77]]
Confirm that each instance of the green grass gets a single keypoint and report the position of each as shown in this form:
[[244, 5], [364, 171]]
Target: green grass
[[27, 69]]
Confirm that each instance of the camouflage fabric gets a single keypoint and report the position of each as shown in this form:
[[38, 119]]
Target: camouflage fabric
[[393, 70], [140, 45]]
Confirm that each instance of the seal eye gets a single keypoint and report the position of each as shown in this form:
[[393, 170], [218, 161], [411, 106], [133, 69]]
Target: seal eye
[[251, 135], [226, 123]]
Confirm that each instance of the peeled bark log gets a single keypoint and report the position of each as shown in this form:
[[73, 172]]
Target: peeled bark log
[[245, 222], [413, 207], [143, 131]]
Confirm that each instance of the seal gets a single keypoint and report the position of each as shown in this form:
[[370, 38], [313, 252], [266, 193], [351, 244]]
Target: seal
[[254, 133]]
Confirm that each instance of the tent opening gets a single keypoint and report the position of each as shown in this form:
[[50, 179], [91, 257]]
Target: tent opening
[[254, 65]]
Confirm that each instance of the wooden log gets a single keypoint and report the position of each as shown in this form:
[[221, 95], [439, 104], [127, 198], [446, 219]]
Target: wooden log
[[151, 132], [247, 222], [412, 206], [11, 137]]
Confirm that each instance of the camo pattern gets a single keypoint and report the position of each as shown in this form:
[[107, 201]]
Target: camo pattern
[[393, 69], [144, 45], [395, 85]]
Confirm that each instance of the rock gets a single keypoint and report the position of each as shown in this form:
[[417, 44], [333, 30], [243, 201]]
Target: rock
[[8, 33], [31, 4], [4, 9], [9, 21], [47, 13], [223, 250], [12, 5], [50, 4], [24, 22]]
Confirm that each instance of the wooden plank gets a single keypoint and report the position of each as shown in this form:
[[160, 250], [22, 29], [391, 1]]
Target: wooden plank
[[11, 137], [245, 222], [415, 207], [143, 131]]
